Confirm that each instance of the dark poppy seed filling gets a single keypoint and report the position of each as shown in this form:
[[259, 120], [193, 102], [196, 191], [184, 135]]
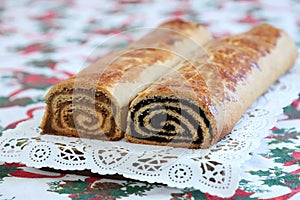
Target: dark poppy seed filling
[[167, 119], [202, 99]]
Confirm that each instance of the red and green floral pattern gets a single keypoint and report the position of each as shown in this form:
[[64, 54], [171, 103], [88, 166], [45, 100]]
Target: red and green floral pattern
[[95, 189], [45, 42], [293, 111]]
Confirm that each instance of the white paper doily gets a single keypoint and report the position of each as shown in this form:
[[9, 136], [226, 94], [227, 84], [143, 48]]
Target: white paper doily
[[215, 170]]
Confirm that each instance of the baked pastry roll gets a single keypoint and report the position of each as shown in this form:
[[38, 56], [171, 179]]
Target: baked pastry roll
[[94, 102], [201, 100]]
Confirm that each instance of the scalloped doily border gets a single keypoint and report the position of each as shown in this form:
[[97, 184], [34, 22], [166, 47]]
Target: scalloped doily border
[[215, 170]]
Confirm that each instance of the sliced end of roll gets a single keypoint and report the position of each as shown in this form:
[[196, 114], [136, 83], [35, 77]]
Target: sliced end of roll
[[170, 120], [81, 111]]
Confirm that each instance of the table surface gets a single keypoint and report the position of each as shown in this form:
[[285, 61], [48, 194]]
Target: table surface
[[44, 42]]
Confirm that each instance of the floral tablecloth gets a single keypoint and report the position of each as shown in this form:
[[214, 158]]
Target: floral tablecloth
[[44, 42]]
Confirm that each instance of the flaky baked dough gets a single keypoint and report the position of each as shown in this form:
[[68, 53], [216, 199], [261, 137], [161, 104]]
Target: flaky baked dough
[[94, 103], [201, 100]]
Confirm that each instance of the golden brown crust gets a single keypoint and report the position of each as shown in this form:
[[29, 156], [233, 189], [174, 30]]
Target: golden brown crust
[[94, 102], [223, 82], [172, 38]]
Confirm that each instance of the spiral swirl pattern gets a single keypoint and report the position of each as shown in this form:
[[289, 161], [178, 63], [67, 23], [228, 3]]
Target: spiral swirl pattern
[[212, 91], [168, 120], [81, 112]]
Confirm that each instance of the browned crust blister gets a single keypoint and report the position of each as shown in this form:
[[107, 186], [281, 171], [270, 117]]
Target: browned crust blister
[[90, 104], [222, 82]]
